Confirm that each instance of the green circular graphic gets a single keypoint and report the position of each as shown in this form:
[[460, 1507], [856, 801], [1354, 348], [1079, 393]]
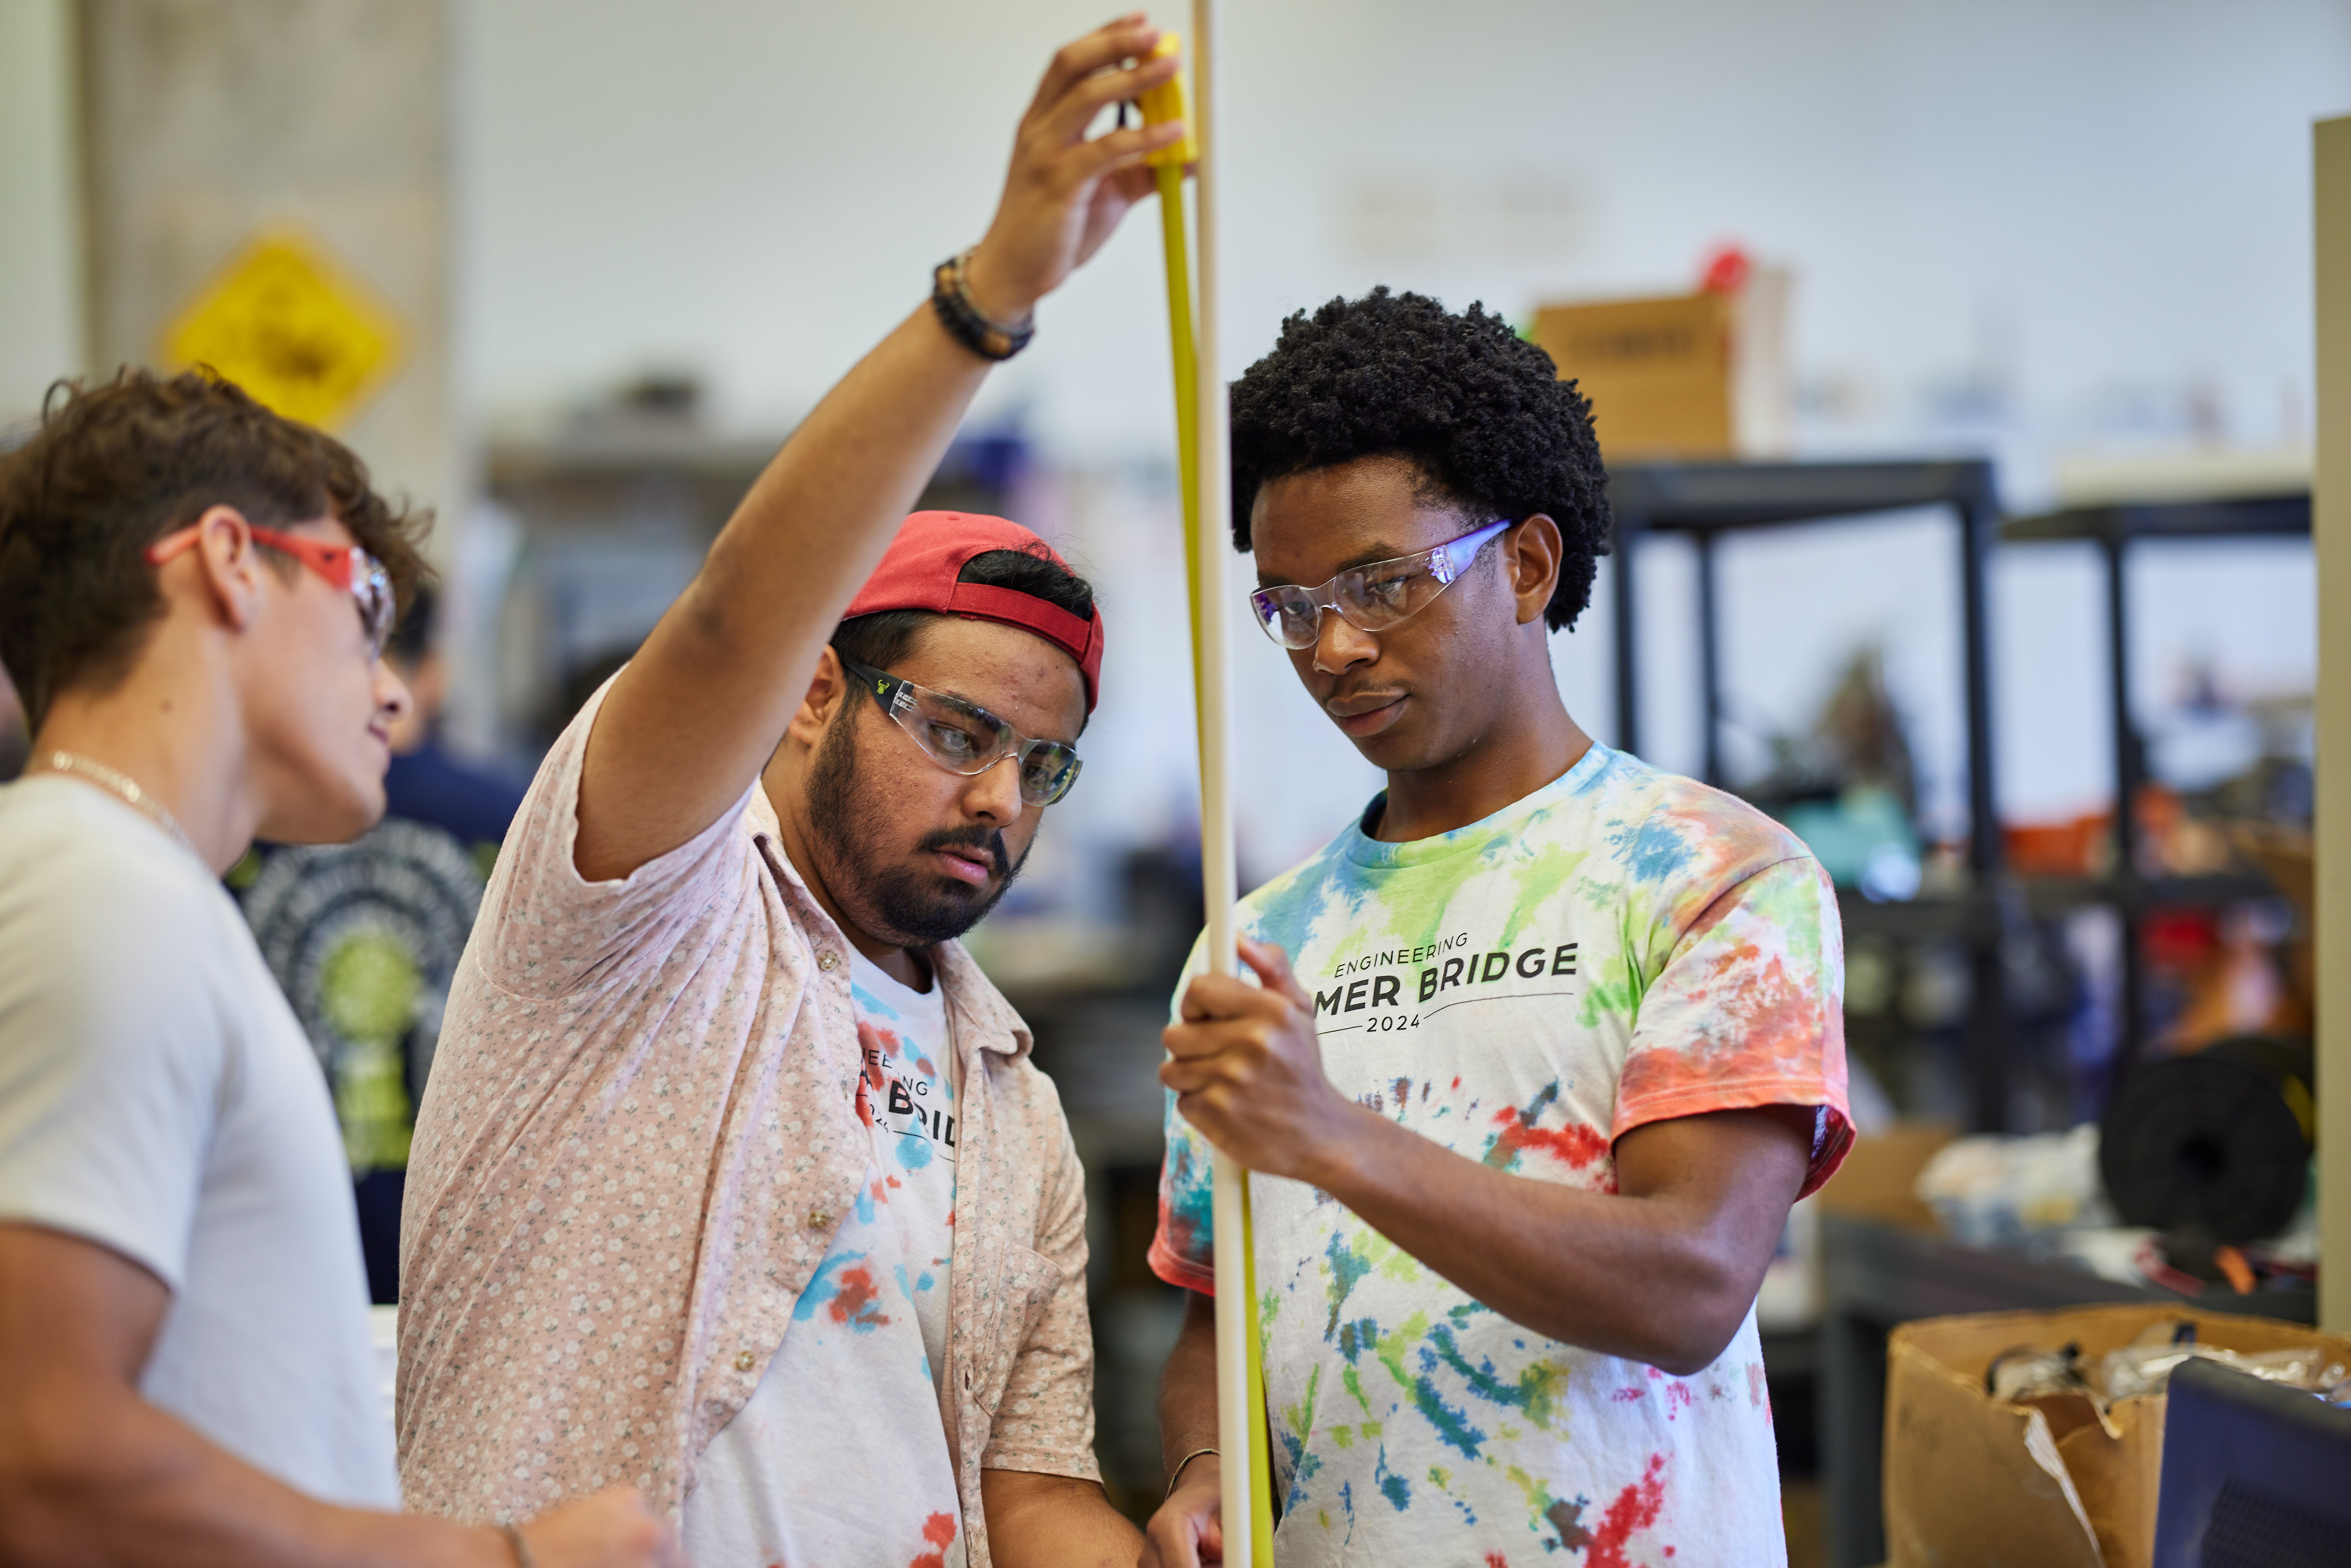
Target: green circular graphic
[[368, 987]]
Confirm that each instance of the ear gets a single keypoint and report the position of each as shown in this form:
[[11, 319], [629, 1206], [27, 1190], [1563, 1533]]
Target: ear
[[227, 564], [828, 690], [1531, 554]]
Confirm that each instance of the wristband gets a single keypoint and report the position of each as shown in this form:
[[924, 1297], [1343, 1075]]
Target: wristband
[[951, 297], [1177, 1473]]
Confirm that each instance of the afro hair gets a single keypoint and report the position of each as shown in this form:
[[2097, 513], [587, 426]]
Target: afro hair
[[1480, 410]]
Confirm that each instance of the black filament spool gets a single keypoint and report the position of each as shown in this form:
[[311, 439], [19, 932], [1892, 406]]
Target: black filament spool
[[2217, 1141]]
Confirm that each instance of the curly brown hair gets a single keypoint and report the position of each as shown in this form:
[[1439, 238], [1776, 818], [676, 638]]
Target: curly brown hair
[[113, 467]]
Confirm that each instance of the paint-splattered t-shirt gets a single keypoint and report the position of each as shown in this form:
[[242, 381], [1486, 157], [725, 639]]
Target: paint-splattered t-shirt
[[841, 1455], [1619, 948]]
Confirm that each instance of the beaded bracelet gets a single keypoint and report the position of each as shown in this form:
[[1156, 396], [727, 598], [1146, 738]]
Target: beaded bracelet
[[951, 297]]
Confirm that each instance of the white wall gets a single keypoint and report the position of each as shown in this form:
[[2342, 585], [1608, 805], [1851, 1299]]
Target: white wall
[[2085, 217], [2088, 217]]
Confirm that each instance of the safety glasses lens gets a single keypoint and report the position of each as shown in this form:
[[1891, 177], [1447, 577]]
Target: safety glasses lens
[[379, 608], [961, 737], [1289, 616], [1047, 773], [1387, 592]]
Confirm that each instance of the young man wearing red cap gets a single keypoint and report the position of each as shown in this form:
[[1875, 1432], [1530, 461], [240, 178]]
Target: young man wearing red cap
[[733, 1179]]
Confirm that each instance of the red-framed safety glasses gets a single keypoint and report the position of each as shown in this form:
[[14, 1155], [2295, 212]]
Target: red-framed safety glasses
[[348, 566]]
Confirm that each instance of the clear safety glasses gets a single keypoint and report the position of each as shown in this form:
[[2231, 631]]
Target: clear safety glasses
[[964, 738], [1370, 598], [348, 566]]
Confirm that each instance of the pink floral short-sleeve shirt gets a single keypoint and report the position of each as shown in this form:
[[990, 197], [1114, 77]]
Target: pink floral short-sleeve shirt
[[638, 1139]]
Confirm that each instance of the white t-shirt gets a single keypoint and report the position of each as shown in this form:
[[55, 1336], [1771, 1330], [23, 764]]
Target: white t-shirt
[[1621, 946], [840, 1455], [157, 1097]]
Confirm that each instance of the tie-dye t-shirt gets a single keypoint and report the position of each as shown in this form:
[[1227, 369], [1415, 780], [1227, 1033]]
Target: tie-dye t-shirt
[[1621, 946], [840, 1456]]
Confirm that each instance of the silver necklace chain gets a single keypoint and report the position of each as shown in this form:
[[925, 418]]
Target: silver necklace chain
[[124, 786]]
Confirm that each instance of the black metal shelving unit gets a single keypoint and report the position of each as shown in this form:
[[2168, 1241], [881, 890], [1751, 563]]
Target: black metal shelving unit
[[1705, 501], [2115, 529], [1875, 1277]]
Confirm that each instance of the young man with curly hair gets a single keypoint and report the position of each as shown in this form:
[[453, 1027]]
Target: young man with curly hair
[[1545, 1044]]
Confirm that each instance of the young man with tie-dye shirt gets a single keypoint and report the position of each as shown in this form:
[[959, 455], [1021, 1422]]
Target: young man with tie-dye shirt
[[1545, 1044]]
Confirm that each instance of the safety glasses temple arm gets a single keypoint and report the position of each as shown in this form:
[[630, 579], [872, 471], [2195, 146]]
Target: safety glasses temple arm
[[1455, 555]]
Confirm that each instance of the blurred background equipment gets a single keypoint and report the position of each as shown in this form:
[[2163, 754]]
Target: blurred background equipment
[[1848, 788], [2252, 1474], [2217, 1141]]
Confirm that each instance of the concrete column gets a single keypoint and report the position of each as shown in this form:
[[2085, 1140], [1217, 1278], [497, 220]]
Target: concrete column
[[40, 223], [2330, 530], [206, 123]]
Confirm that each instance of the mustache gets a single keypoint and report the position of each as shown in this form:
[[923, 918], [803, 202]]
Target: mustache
[[988, 841]]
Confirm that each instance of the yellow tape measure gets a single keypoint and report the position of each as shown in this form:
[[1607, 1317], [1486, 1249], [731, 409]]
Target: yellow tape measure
[[1166, 102]]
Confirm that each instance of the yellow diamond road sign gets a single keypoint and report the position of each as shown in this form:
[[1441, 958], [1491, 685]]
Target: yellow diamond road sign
[[287, 325]]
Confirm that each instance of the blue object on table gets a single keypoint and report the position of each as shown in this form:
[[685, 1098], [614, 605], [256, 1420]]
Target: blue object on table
[[2256, 1474], [1862, 839]]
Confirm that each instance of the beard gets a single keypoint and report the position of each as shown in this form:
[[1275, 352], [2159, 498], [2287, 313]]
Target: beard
[[904, 905]]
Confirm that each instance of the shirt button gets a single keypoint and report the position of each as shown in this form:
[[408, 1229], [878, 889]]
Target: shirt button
[[746, 1362], [827, 962], [820, 1219]]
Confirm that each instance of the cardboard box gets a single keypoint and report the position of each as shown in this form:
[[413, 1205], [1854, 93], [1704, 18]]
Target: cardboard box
[[1971, 1481], [1688, 375], [1880, 1179]]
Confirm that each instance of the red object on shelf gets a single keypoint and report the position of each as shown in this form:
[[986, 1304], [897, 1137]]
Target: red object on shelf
[[1726, 269], [2184, 939], [2083, 845], [2058, 849]]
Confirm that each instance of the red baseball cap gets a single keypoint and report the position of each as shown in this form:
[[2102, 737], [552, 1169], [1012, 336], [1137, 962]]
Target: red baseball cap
[[931, 548]]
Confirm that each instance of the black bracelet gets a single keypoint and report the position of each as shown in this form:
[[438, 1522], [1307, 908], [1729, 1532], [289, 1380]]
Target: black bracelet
[[951, 297]]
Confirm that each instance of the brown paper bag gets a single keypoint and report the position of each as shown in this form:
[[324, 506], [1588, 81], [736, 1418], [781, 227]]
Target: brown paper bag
[[1971, 1481]]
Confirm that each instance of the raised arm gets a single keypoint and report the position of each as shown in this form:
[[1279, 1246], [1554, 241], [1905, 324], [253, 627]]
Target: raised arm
[[90, 1472], [697, 713]]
